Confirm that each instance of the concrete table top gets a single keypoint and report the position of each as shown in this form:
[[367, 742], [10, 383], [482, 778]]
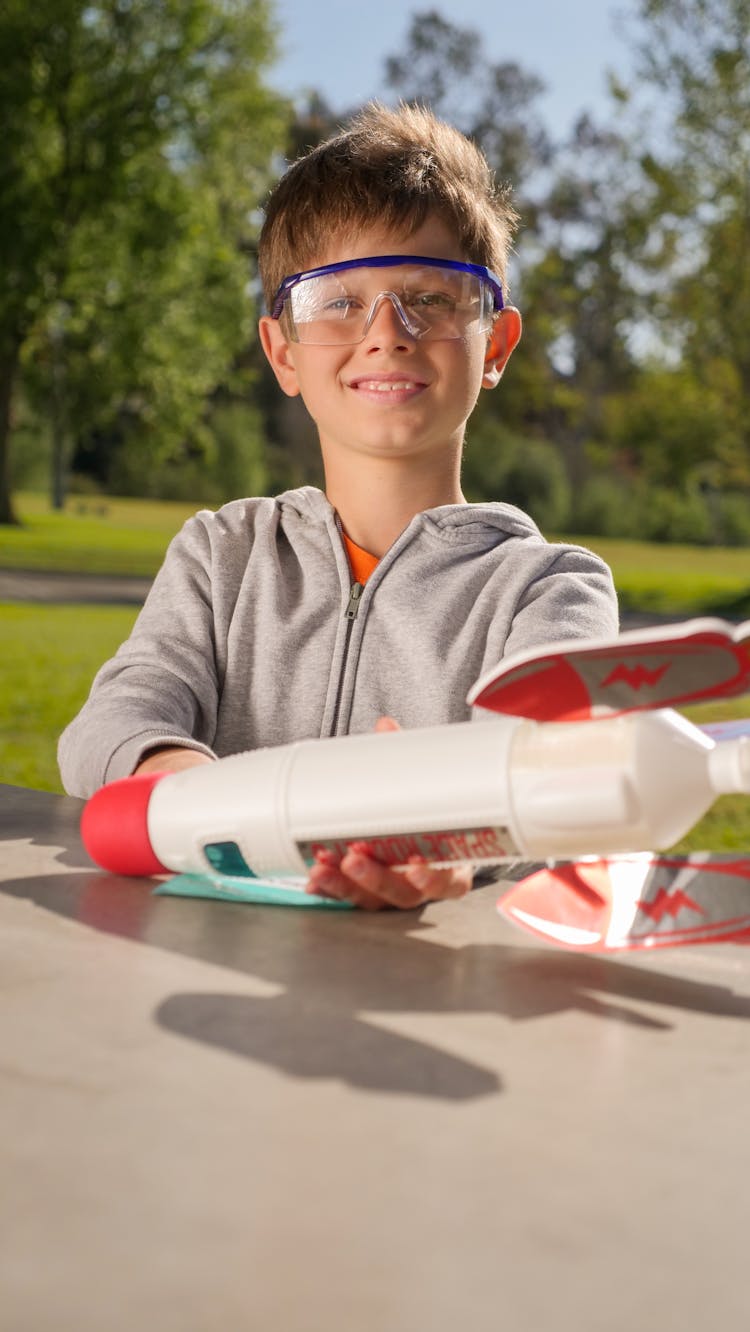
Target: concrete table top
[[217, 1115]]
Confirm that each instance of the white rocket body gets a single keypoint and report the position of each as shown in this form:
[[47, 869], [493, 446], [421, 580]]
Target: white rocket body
[[480, 791]]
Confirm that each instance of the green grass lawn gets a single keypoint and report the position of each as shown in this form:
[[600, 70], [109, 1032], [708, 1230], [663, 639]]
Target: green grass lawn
[[48, 659], [107, 536], [680, 580]]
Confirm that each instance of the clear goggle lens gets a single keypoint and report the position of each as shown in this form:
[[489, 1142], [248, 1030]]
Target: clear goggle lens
[[432, 302]]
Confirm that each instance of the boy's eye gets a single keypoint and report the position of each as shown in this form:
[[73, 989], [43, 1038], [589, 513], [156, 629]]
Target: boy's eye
[[340, 305], [437, 300], [323, 300]]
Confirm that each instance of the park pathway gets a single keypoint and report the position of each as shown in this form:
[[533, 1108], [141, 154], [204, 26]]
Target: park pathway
[[97, 589]]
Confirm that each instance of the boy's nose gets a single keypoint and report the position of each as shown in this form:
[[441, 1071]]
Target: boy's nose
[[388, 323]]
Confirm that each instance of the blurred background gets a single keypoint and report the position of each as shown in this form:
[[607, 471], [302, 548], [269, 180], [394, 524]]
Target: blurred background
[[139, 141]]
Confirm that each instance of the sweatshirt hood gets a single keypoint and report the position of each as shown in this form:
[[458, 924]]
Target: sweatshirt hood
[[480, 524]]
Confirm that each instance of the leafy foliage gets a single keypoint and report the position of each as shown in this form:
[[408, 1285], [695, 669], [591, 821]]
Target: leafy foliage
[[139, 139]]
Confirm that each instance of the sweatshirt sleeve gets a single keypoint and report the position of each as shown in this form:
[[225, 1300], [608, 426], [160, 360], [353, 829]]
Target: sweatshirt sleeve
[[573, 596], [161, 687]]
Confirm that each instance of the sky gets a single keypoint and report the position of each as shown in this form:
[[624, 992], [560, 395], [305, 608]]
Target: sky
[[338, 47]]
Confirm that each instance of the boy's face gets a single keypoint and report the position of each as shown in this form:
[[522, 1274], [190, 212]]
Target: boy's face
[[433, 385]]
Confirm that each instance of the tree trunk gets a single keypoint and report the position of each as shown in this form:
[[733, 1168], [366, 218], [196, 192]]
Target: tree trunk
[[8, 368], [59, 424], [59, 470]]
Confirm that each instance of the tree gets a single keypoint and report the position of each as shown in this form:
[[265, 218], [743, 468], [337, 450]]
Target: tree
[[695, 199], [444, 67], [576, 287], [138, 138]]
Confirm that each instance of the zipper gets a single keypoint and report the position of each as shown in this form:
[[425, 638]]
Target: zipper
[[350, 615]]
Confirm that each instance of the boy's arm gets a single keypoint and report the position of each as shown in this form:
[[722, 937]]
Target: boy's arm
[[160, 690], [572, 597]]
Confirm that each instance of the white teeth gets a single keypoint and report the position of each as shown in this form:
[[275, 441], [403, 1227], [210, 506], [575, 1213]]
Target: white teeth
[[386, 386]]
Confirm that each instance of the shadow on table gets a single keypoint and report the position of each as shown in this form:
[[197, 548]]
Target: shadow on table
[[342, 973]]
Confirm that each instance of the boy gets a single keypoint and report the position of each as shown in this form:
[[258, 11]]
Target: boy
[[383, 256]]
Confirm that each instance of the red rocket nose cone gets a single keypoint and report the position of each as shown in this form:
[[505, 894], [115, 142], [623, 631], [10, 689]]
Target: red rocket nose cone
[[114, 826]]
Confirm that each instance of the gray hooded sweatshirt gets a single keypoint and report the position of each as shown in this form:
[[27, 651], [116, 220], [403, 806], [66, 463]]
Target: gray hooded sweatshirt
[[254, 633]]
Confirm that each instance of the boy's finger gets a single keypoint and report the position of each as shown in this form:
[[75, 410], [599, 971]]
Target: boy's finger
[[393, 888], [387, 724], [441, 883], [326, 882]]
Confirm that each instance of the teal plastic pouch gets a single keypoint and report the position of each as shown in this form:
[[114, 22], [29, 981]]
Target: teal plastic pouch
[[280, 890]]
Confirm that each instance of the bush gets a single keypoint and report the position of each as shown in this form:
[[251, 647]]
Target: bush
[[527, 472], [224, 460], [30, 453], [733, 519], [606, 506], [672, 515]]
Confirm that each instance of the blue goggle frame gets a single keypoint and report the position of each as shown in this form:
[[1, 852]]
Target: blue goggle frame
[[387, 261]]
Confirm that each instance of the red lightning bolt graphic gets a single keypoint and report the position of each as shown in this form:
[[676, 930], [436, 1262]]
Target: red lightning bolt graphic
[[669, 904], [635, 676]]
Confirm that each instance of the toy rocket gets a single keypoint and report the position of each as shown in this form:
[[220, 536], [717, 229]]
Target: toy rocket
[[586, 758]]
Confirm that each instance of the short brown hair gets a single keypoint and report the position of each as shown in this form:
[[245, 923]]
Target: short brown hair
[[389, 168]]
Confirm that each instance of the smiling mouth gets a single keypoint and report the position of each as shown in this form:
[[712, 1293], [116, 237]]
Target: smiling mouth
[[387, 385]]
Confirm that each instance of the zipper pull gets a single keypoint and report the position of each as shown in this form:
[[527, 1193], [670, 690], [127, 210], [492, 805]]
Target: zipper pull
[[354, 595]]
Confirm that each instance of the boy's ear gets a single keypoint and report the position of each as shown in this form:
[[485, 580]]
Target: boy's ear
[[279, 355], [506, 331]]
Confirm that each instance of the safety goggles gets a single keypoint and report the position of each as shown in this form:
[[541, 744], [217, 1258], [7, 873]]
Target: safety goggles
[[434, 298]]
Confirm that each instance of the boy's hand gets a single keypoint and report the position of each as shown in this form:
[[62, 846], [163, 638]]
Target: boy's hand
[[368, 884], [359, 879]]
